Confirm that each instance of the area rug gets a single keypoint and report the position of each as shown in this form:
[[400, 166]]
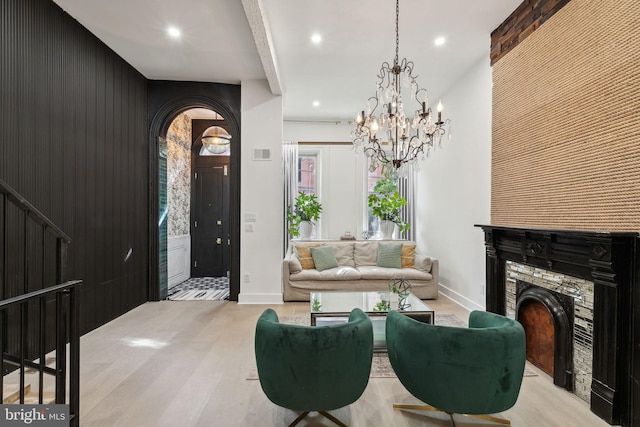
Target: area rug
[[200, 289], [380, 365]]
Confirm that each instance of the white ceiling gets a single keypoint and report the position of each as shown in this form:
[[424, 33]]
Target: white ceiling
[[358, 36]]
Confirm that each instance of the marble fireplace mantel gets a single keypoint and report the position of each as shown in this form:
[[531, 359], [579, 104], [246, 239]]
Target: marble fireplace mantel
[[610, 261]]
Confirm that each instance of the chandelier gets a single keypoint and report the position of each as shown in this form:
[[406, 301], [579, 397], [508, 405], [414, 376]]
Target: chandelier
[[216, 140], [407, 138]]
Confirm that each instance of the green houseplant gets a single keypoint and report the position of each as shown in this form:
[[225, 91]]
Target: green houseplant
[[385, 203], [300, 217]]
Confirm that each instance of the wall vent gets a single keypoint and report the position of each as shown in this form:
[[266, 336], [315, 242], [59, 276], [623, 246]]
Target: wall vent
[[261, 154]]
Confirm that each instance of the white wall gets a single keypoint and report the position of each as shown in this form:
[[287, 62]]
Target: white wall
[[261, 194], [341, 175], [454, 189]]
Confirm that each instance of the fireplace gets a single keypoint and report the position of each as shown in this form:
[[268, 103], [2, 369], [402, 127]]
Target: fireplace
[[574, 292], [556, 311]]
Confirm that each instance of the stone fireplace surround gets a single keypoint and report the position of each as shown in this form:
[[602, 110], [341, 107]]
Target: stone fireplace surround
[[573, 354], [608, 260]]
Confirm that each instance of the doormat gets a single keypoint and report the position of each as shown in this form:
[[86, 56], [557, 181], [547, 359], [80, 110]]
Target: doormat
[[200, 289]]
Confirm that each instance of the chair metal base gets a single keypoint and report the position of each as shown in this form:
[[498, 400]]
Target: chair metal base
[[323, 413], [431, 408]]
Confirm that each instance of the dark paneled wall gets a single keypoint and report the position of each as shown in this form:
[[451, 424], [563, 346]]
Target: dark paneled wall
[[73, 141]]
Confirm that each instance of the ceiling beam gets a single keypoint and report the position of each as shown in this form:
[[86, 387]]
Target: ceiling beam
[[254, 11]]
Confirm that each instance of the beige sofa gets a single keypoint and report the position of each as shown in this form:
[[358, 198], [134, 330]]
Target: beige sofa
[[357, 269]]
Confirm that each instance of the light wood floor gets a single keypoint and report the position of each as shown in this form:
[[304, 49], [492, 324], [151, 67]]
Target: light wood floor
[[184, 363]]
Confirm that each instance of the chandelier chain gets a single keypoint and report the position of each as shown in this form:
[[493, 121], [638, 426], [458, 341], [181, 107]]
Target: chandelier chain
[[397, 30]]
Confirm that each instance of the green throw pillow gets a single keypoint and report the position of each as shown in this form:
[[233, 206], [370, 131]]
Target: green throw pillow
[[389, 255], [324, 258]]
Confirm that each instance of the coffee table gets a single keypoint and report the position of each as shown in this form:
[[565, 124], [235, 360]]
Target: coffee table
[[334, 307]]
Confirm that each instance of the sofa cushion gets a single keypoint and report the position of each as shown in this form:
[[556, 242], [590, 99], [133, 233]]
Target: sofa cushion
[[368, 272], [408, 252], [304, 255], [324, 258], [422, 262], [344, 253], [337, 273], [365, 253], [389, 255]]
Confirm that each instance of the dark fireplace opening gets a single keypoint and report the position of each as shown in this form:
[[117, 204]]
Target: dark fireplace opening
[[547, 318]]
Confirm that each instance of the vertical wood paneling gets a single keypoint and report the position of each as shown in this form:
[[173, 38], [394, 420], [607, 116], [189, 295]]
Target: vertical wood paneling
[[73, 141]]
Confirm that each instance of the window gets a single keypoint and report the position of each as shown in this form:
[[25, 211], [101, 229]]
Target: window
[[307, 167], [372, 221], [309, 180], [405, 185]]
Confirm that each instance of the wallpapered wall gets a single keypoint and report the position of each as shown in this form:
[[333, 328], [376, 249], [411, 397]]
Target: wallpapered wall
[[179, 175], [566, 127]]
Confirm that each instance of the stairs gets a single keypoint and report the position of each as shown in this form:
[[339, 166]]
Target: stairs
[[11, 395]]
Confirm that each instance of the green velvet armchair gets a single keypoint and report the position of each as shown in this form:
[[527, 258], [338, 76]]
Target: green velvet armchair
[[472, 371], [309, 368]]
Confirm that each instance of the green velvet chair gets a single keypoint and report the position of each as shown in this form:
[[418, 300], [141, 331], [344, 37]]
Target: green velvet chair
[[472, 371], [314, 368]]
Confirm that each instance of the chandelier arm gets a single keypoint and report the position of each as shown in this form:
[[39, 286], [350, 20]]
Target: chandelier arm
[[426, 97], [377, 152], [413, 152], [383, 74], [376, 106]]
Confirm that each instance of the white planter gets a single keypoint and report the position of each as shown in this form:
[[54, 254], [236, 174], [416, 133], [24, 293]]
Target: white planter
[[305, 229], [387, 228]]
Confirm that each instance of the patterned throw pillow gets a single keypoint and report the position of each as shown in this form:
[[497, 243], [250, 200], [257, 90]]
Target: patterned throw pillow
[[389, 255], [324, 258], [304, 256], [408, 252]]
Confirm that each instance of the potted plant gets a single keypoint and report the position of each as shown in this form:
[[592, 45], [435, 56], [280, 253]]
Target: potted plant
[[306, 209], [385, 203]]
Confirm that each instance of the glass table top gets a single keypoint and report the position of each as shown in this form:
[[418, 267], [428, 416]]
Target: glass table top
[[369, 302]]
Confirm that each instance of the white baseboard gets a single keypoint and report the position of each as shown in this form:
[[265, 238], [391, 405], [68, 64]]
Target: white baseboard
[[246, 298], [460, 299]]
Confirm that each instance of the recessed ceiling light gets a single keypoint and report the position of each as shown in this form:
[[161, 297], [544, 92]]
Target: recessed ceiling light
[[439, 41], [316, 103], [316, 38], [174, 32]]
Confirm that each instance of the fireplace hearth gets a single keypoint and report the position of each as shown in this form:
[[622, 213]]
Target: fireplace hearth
[[585, 283]]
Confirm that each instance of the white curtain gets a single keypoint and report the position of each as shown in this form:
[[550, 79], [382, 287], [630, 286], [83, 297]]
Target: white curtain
[[407, 189], [290, 170]]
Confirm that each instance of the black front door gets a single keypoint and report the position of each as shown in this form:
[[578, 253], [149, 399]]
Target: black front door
[[210, 220]]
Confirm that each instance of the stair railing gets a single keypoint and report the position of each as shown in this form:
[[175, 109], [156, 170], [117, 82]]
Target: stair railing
[[62, 296]]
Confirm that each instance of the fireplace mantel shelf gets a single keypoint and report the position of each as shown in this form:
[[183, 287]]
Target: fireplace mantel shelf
[[585, 233]]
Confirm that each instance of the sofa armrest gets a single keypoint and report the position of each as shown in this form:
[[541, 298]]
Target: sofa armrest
[[290, 264], [422, 263], [435, 267]]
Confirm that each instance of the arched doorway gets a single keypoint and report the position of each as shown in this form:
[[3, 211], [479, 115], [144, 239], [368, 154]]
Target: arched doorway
[[162, 118], [196, 225]]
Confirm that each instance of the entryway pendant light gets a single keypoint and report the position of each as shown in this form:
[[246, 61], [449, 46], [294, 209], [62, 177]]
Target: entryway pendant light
[[216, 140], [407, 138]]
